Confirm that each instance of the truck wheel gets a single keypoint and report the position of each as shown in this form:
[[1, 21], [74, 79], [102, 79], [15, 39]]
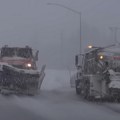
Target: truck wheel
[[78, 91]]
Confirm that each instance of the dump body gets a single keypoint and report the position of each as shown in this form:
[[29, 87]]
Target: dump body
[[18, 71]]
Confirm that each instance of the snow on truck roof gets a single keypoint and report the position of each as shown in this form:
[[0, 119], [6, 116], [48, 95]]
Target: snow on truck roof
[[105, 51], [112, 51], [115, 49], [88, 50], [6, 46]]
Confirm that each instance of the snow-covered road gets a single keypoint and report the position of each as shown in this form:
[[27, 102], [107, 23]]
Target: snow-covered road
[[56, 101]]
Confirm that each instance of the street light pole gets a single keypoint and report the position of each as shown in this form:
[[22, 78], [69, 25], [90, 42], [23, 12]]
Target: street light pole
[[80, 35], [114, 31], [74, 11]]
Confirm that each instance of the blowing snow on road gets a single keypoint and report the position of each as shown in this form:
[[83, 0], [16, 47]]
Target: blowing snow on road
[[56, 101]]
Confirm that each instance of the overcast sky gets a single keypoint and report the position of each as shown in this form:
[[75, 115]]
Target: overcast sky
[[55, 30]]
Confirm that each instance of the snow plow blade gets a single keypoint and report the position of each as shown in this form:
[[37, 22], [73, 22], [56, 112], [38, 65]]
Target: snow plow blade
[[20, 81]]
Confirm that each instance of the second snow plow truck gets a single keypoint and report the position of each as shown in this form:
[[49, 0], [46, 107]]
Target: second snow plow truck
[[99, 75], [18, 71]]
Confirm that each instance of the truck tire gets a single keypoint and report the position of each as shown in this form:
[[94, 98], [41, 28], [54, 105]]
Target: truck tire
[[86, 90], [78, 90]]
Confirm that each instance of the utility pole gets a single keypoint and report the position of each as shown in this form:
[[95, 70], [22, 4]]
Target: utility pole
[[79, 14], [80, 23], [61, 49], [114, 31]]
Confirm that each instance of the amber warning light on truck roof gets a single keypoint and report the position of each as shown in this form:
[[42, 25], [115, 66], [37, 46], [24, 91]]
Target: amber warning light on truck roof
[[90, 46]]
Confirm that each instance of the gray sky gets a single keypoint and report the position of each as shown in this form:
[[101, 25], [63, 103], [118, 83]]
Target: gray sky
[[55, 30]]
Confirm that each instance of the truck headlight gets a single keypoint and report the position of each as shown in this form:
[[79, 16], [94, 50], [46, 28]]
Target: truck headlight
[[101, 57], [29, 65]]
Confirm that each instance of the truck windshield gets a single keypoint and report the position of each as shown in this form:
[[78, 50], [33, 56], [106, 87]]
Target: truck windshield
[[8, 52], [24, 52], [19, 52]]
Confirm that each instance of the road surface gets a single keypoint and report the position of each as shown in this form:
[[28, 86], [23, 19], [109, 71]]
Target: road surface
[[56, 102], [56, 105]]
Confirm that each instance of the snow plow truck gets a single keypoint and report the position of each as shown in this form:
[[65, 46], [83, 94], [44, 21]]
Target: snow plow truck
[[98, 73], [18, 71]]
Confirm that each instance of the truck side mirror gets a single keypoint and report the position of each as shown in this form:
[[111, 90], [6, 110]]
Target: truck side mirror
[[76, 60], [36, 55]]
